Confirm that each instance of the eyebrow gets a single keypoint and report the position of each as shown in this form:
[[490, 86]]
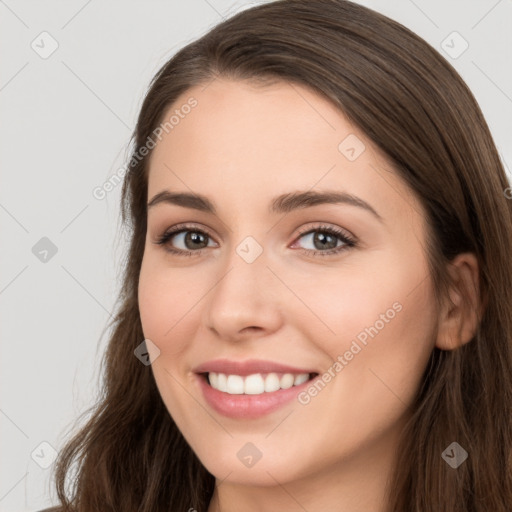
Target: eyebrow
[[284, 203]]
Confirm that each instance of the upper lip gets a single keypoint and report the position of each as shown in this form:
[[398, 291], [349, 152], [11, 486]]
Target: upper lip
[[247, 367]]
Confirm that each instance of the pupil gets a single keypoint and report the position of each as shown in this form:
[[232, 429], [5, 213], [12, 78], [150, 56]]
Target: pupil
[[194, 237], [322, 238]]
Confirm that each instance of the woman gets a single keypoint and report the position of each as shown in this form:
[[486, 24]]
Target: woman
[[340, 337]]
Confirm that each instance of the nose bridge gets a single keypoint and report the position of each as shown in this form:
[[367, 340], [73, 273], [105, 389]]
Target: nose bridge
[[245, 275], [244, 264], [244, 294]]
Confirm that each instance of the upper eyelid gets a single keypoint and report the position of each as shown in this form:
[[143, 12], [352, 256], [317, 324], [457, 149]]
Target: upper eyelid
[[179, 228], [326, 226]]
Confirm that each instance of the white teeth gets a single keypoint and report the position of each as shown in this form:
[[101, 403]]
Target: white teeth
[[214, 379], [299, 379], [255, 384], [221, 382], [235, 385], [287, 381], [272, 382]]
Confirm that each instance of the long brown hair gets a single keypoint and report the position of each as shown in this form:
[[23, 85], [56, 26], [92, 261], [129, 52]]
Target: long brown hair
[[410, 101]]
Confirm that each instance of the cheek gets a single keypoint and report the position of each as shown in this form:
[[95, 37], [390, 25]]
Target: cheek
[[378, 325], [166, 306], [168, 318], [381, 345]]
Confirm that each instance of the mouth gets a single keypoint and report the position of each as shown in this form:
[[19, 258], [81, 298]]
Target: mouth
[[256, 383], [250, 388], [251, 396]]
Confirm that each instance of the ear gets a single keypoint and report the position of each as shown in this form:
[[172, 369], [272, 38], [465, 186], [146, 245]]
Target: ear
[[460, 316]]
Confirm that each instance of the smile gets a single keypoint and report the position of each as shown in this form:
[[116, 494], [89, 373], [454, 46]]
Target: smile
[[255, 384], [252, 396]]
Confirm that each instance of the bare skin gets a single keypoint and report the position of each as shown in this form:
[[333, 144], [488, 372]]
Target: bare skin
[[242, 146]]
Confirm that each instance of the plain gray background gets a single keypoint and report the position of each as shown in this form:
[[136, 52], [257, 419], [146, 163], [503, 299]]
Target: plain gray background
[[65, 125]]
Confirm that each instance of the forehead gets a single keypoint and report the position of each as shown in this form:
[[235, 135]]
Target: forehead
[[262, 141]]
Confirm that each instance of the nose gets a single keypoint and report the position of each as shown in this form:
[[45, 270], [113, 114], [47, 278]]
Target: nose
[[246, 300]]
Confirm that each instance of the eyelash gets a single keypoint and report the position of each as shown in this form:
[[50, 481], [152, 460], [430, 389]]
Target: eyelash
[[180, 228]]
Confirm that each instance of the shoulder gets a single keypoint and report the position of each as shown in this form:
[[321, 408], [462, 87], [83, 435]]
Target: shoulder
[[51, 509]]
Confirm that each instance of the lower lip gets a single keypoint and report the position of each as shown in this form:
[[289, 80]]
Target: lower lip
[[248, 406]]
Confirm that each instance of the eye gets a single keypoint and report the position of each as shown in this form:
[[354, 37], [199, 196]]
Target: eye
[[324, 240], [190, 237]]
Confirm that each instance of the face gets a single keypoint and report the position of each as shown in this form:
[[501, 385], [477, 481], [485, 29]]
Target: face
[[337, 292]]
